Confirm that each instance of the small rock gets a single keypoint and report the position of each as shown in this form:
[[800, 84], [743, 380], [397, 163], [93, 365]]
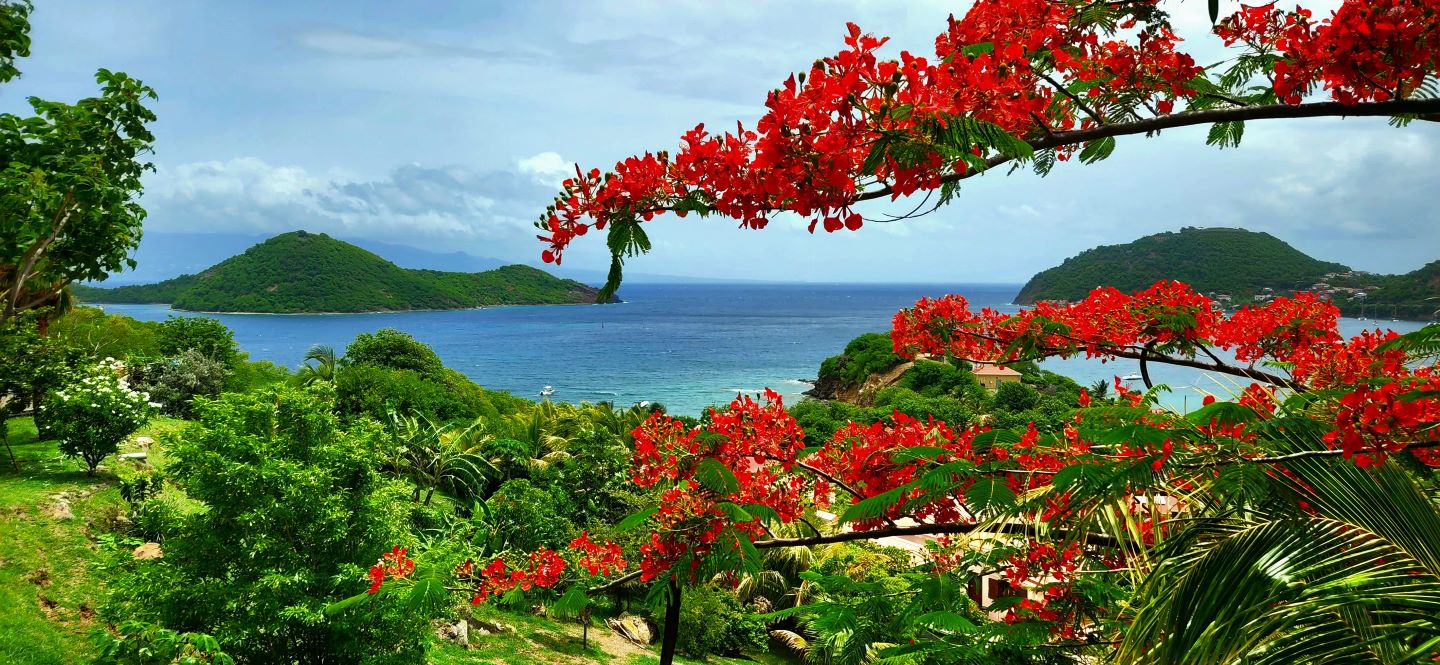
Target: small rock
[[60, 510], [144, 442], [488, 628], [632, 628], [148, 551], [458, 632]]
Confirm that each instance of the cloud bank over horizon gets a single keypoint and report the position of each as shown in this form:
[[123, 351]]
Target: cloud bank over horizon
[[448, 126]]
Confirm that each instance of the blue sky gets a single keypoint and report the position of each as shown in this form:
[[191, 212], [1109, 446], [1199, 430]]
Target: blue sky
[[444, 125]]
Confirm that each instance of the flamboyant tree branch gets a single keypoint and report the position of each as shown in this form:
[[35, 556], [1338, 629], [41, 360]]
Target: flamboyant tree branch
[[1202, 117], [942, 528]]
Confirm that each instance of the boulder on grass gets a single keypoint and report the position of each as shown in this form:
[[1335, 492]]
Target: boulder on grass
[[633, 628]]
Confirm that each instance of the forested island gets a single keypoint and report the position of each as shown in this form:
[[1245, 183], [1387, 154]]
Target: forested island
[[1238, 267], [300, 272]]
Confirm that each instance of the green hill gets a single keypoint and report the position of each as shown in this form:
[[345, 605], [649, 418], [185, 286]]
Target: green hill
[[1413, 295], [305, 272], [1233, 261]]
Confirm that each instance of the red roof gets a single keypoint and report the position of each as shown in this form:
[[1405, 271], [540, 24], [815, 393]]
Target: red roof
[[986, 369]]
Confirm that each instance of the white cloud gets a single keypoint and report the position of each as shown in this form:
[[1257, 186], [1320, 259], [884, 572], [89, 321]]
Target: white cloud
[[351, 44], [548, 168], [411, 204]]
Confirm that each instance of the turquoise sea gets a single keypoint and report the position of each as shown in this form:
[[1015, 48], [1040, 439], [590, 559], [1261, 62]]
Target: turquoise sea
[[684, 345]]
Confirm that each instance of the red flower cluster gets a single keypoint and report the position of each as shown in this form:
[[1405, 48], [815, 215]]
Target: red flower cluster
[[874, 459], [395, 564], [1045, 574], [1369, 50], [1387, 416], [754, 442], [496, 578], [598, 559]]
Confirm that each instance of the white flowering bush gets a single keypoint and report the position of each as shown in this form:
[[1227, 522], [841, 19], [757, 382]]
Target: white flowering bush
[[95, 410]]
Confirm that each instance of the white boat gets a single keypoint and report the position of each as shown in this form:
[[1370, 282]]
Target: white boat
[[1130, 377], [547, 391]]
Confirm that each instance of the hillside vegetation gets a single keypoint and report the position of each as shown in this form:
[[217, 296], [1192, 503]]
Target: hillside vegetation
[[1233, 261], [301, 272], [1413, 295]]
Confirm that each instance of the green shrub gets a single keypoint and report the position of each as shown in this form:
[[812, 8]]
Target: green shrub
[[712, 621], [141, 643], [906, 401], [94, 412], [594, 479], [96, 333], [1015, 397], [937, 379], [528, 518], [388, 371], [179, 334], [865, 355], [821, 418], [377, 391], [511, 457], [292, 508], [174, 383], [247, 375], [392, 348], [864, 562], [29, 367]]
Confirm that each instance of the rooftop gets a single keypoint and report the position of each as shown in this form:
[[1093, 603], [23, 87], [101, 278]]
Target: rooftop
[[986, 369]]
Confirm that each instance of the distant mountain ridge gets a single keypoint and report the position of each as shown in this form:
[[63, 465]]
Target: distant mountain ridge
[[163, 255], [1223, 260], [1240, 264], [301, 272]]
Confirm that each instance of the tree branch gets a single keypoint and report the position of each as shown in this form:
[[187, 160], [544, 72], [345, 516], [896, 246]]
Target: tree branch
[[32, 255], [1100, 540], [1202, 117], [1082, 105]]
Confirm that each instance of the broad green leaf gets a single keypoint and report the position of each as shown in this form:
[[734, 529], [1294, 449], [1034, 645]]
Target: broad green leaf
[[636, 519]]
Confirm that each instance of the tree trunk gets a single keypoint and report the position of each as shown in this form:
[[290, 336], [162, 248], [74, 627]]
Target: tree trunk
[[585, 628], [4, 434], [429, 495], [671, 634]]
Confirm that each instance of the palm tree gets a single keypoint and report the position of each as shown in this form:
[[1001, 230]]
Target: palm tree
[[440, 456], [546, 431], [1340, 564], [324, 368]]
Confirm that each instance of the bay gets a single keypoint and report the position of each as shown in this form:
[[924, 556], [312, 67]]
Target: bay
[[684, 345]]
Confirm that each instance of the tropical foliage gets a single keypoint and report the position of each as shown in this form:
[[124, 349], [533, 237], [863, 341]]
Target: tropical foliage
[[174, 383], [257, 567], [69, 190], [1120, 523], [96, 410]]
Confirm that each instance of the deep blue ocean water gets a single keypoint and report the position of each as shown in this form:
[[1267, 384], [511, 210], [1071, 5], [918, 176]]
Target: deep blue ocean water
[[684, 345]]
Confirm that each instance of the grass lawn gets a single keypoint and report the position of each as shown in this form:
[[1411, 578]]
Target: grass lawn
[[542, 641], [48, 587]]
